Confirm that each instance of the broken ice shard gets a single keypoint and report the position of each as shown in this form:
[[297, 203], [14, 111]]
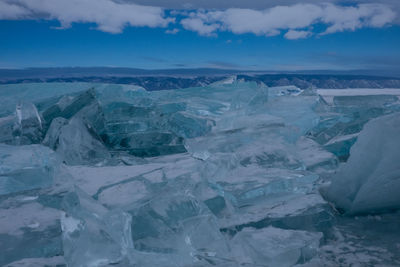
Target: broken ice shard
[[78, 143], [150, 144], [24, 127], [68, 106], [274, 247], [178, 229], [339, 128], [188, 126], [370, 180], [28, 125], [6, 130], [94, 235], [54, 131], [26, 167], [138, 131]]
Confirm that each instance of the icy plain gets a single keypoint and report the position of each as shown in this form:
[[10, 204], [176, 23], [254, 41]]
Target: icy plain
[[224, 175]]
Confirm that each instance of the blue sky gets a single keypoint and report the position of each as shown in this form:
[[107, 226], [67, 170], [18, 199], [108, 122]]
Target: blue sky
[[340, 37]]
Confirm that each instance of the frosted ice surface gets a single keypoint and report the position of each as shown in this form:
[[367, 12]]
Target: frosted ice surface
[[264, 247], [26, 167], [28, 229], [370, 180], [178, 228], [7, 129], [38, 262], [92, 234]]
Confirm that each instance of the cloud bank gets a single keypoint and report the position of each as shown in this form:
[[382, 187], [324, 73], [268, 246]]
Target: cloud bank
[[295, 21], [109, 16]]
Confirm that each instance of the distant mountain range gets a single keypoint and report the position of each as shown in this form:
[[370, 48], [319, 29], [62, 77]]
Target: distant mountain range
[[183, 78]]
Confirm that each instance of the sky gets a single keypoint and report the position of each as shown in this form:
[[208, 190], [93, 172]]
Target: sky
[[230, 34]]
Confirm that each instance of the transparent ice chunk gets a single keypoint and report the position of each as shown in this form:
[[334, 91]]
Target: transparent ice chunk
[[188, 126], [6, 130], [369, 181], [150, 144], [274, 247], [54, 131], [178, 229], [28, 128], [68, 106], [94, 235], [26, 167], [79, 144]]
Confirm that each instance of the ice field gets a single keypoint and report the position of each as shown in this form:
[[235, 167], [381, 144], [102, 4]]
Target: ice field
[[232, 174]]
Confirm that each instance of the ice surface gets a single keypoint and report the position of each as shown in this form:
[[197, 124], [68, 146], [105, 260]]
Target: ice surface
[[264, 247], [38, 262], [28, 229], [6, 130], [93, 235], [178, 229], [26, 167], [221, 175], [78, 144], [370, 180]]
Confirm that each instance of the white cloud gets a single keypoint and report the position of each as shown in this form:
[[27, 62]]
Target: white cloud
[[296, 18], [293, 34], [172, 31], [108, 15], [12, 11], [352, 18], [269, 21], [200, 25]]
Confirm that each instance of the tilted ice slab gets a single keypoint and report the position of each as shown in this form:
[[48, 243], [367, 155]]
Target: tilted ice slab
[[76, 144], [94, 235], [370, 180]]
